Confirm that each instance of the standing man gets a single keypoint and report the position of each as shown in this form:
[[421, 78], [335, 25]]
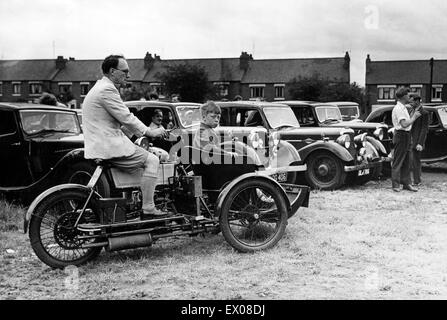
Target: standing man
[[400, 167], [418, 135], [104, 114]]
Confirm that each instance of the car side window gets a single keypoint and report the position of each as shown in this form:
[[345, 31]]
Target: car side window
[[304, 116], [7, 123], [433, 120]]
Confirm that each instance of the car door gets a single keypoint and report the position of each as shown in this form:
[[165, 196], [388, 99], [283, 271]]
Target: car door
[[435, 144], [13, 159]]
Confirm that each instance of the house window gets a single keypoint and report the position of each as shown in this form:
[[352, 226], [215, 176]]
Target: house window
[[416, 88], [35, 88], [158, 88], [436, 92], [222, 88], [84, 88], [16, 88], [64, 87], [279, 91], [386, 92], [256, 91]]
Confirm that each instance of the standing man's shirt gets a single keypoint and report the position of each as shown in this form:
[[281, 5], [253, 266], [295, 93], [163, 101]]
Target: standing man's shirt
[[103, 114], [399, 113]]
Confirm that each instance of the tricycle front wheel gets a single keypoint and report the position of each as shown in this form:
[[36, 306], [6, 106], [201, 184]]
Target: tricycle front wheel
[[253, 216]]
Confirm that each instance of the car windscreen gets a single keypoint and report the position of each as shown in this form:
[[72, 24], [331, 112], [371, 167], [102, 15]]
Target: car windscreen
[[280, 117], [349, 112], [189, 115], [42, 121], [328, 114], [443, 115]]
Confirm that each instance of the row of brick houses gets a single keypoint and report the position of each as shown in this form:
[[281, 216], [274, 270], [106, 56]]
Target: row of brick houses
[[25, 80], [426, 77]]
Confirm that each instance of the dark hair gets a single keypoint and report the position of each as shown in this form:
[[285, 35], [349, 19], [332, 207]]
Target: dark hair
[[110, 62], [48, 99], [153, 96], [401, 91], [157, 111]]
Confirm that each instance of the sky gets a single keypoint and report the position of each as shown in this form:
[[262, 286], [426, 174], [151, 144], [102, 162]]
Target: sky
[[184, 29]]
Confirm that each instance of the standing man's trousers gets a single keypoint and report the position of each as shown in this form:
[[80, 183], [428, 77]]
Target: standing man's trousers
[[400, 167]]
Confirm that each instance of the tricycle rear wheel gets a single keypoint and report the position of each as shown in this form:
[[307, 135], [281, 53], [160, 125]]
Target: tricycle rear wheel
[[254, 215], [52, 234]]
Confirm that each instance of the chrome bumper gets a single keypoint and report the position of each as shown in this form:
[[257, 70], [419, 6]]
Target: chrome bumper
[[362, 166]]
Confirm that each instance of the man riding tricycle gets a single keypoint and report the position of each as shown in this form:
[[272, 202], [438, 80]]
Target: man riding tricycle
[[148, 199]]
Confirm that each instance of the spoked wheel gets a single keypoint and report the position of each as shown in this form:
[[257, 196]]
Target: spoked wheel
[[325, 171], [254, 215], [52, 234]]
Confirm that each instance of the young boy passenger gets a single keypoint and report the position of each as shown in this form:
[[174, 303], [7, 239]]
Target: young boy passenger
[[206, 137]]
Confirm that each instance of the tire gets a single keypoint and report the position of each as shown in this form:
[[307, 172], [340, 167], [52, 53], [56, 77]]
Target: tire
[[254, 208], [325, 171], [51, 228], [81, 173]]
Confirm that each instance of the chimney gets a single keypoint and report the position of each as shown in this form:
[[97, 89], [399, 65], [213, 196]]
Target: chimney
[[71, 59], [157, 58], [244, 60], [60, 62], [368, 64], [347, 61], [149, 61]]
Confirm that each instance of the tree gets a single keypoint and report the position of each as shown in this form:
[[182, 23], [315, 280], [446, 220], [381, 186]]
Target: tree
[[316, 89], [132, 93], [307, 88], [188, 81]]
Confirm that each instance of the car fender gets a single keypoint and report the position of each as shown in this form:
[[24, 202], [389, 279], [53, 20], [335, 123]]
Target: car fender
[[377, 144], [372, 150], [41, 197], [287, 154], [330, 146], [252, 175]]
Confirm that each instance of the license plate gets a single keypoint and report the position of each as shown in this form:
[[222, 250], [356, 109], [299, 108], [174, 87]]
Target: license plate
[[280, 177], [363, 172]]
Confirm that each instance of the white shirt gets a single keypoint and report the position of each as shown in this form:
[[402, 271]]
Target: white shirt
[[399, 113]]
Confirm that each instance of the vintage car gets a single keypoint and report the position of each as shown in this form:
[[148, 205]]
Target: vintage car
[[318, 114], [436, 142], [41, 147], [330, 153], [349, 110], [182, 119]]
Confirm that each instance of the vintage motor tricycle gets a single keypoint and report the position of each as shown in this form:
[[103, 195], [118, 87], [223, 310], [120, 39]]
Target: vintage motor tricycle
[[69, 224]]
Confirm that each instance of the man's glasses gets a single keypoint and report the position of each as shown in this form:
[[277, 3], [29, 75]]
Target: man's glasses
[[126, 71]]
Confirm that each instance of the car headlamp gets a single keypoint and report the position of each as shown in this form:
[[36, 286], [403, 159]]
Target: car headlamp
[[255, 141], [362, 151], [344, 140], [360, 139], [379, 133]]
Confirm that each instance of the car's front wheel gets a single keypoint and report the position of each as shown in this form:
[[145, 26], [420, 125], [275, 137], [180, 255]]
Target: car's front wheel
[[325, 171]]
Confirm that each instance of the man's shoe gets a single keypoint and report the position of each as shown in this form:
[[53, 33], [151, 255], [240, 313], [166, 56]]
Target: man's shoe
[[396, 189], [417, 184], [154, 213], [409, 188]]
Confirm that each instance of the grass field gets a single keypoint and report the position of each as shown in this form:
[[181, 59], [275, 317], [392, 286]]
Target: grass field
[[363, 242]]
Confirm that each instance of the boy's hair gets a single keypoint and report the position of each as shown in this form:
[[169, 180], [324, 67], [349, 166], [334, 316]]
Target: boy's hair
[[401, 91], [210, 107]]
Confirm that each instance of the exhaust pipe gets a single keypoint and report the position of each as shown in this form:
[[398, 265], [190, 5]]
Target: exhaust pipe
[[129, 242]]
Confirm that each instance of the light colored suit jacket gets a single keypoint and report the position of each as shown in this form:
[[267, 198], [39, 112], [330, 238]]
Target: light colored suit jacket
[[103, 114]]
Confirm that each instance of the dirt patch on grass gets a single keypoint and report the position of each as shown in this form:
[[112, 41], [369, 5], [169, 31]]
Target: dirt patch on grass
[[363, 242]]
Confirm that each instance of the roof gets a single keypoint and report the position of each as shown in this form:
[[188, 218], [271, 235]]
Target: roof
[[27, 70], [220, 69], [406, 72], [23, 106], [217, 69], [284, 70]]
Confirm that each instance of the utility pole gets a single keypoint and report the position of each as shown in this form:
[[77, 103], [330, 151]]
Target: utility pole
[[431, 79]]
